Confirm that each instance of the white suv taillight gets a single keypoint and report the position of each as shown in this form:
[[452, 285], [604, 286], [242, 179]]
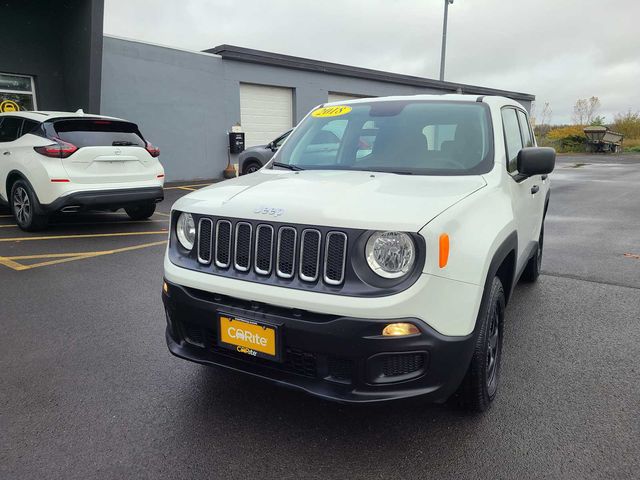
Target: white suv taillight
[[153, 151], [59, 149]]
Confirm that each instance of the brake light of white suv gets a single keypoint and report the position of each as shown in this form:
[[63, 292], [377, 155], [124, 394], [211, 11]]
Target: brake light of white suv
[[58, 149]]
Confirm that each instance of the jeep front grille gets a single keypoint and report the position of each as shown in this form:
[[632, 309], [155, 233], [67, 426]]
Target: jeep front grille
[[205, 240], [310, 255], [223, 243], [242, 246], [286, 256], [335, 252], [273, 251]]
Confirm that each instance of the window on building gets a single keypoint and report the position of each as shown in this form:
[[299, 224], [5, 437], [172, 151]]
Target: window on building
[[512, 137], [16, 93]]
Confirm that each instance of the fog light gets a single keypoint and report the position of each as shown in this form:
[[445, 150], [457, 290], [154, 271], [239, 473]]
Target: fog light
[[400, 330], [165, 287]]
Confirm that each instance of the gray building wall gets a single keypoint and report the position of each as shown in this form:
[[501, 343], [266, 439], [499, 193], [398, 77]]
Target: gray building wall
[[185, 102], [177, 100], [60, 45]]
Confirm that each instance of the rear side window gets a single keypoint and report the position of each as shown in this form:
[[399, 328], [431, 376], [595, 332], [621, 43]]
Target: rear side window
[[95, 133], [9, 128], [512, 137], [29, 126]]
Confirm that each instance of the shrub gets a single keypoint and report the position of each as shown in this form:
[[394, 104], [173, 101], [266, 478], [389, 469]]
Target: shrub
[[628, 124], [569, 138], [632, 145], [567, 131]]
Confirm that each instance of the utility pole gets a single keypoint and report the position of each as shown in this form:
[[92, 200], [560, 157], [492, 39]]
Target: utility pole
[[444, 37]]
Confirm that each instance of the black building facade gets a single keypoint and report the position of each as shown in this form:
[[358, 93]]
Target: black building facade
[[51, 55]]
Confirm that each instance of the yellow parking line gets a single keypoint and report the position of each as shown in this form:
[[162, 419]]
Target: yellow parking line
[[66, 257], [187, 187], [83, 224], [51, 255], [11, 264], [91, 235]]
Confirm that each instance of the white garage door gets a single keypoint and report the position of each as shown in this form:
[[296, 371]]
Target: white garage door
[[341, 97], [265, 112]]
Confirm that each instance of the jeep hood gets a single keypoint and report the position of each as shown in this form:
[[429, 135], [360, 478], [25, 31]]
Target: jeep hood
[[347, 199]]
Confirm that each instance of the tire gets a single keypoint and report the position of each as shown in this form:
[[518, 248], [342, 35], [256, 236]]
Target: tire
[[251, 167], [141, 212], [532, 270], [480, 384], [23, 204]]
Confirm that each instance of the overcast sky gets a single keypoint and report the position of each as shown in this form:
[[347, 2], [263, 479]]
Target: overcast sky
[[558, 50]]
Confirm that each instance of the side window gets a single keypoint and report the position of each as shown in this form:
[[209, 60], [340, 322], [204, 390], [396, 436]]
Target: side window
[[512, 137], [28, 126], [525, 128], [10, 128], [366, 139]]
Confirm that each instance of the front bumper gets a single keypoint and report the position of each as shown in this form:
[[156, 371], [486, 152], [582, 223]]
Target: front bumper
[[335, 357], [106, 199]]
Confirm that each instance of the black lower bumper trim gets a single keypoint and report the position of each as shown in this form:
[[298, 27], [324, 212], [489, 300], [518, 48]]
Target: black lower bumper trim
[[106, 199], [338, 358]]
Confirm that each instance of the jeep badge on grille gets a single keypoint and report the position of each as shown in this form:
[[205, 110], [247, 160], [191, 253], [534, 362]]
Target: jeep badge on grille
[[275, 212]]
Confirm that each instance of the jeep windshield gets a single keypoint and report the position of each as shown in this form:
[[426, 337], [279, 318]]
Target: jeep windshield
[[416, 137]]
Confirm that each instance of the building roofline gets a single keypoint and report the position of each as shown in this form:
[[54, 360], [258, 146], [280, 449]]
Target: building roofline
[[160, 45], [241, 54]]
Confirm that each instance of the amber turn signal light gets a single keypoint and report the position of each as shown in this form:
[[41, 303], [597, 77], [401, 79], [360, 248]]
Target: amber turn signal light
[[444, 250], [399, 330], [165, 287]]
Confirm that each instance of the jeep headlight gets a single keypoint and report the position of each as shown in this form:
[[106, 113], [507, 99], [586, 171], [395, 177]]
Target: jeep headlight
[[186, 230], [390, 254]]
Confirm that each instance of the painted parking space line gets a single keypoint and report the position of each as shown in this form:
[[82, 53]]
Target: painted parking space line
[[90, 235], [188, 187], [57, 258], [85, 224]]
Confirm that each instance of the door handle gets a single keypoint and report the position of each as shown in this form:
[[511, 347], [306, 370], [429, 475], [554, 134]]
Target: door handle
[[6, 152], [535, 189]]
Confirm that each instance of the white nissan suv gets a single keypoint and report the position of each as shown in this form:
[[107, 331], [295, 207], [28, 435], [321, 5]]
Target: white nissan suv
[[66, 162], [376, 267]]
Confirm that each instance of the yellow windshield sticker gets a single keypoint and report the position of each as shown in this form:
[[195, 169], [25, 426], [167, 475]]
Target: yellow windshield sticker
[[334, 111]]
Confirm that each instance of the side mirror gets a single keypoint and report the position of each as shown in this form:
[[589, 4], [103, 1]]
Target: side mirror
[[536, 161], [272, 146]]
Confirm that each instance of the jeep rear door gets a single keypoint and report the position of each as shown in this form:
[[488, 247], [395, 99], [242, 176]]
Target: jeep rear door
[[109, 151]]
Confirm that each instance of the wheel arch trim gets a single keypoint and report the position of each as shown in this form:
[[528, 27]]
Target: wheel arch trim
[[21, 176]]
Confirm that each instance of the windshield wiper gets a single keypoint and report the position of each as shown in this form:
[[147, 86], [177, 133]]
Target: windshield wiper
[[287, 166], [396, 172]]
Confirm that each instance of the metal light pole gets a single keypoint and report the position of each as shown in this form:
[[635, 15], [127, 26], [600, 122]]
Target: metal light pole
[[444, 37]]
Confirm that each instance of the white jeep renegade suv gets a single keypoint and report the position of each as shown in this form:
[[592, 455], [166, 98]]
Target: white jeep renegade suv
[[376, 267], [60, 161]]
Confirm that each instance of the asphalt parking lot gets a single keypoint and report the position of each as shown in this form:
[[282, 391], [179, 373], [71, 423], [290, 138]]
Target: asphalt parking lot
[[89, 390]]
